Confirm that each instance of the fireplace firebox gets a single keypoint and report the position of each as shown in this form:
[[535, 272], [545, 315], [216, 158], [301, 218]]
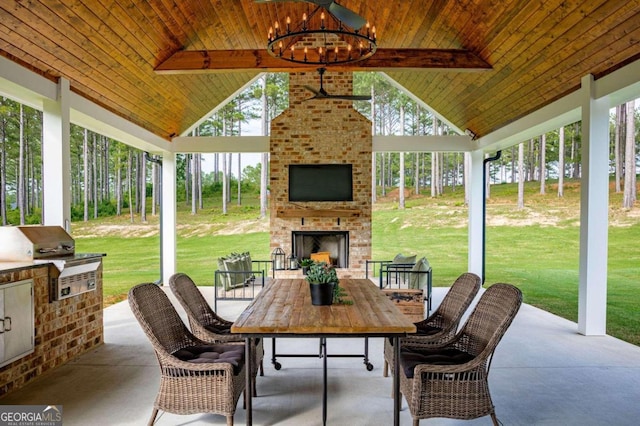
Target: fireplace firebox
[[304, 243]]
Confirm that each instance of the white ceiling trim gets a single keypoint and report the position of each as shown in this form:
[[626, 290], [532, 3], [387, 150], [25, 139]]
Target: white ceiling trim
[[427, 143], [217, 144]]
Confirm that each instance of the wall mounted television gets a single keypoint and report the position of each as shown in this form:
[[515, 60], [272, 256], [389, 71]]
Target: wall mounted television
[[320, 182]]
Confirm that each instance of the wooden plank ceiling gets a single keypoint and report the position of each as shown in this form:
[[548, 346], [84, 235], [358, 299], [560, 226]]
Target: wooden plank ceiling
[[521, 54]]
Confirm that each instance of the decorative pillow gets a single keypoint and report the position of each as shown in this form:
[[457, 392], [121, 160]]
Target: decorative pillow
[[404, 259], [246, 265], [224, 278], [419, 275], [234, 266], [409, 358], [323, 256]]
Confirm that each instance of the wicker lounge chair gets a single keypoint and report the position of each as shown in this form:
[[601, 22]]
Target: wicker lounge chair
[[442, 325], [205, 324], [452, 380], [195, 376]]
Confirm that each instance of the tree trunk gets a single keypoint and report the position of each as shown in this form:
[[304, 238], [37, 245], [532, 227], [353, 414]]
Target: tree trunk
[[265, 156], [239, 179], [194, 185], [543, 163], [94, 174], [434, 162], [118, 186], [618, 144], [630, 179], [401, 183], [21, 180], [199, 181], [154, 188], [129, 182], [416, 177], [263, 184], [143, 188], [561, 162], [229, 164], [85, 156], [382, 174], [521, 177], [3, 170], [465, 176], [224, 184], [374, 192]]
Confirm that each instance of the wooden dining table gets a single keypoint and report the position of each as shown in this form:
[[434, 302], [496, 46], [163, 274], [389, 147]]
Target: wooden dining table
[[283, 309]]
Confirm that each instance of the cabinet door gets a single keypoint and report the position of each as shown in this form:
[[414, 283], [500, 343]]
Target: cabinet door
[[18, 319], [2, 325]]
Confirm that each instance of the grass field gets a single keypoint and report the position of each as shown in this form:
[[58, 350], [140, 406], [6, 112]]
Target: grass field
[[535, 248]]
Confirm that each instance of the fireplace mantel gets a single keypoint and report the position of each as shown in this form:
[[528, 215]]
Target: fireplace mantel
[[298, 213]]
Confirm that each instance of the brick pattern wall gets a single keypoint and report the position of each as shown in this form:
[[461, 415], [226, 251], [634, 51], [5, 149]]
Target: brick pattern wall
[[63, 330], [327, 131]]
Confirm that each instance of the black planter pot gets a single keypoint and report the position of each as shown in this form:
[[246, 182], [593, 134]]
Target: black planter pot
[[321, 294], [305, 270]]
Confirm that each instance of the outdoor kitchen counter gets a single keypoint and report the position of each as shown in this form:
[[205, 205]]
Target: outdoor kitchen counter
[[63, 329], [13, 266]]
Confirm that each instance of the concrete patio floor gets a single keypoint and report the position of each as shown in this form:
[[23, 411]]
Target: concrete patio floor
[[543, 373]]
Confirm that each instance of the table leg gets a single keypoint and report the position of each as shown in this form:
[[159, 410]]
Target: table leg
[[323, 342], [248, 392], [397, 398]]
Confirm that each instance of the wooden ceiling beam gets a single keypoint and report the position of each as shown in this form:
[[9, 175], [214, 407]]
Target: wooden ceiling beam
[[195, 61]]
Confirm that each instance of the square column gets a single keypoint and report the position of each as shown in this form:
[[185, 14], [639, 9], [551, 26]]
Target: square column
[[56, 158], [594, 212], [476, 216], [168, 225]]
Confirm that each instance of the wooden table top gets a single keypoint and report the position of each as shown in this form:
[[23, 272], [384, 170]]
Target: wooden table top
[[284, 307]]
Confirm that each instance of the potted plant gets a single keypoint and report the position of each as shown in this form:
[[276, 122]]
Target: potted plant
[[305, 264], [322, 281]]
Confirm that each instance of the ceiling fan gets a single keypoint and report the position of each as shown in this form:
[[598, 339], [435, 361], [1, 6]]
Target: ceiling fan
[[345, 15], [322, 94]]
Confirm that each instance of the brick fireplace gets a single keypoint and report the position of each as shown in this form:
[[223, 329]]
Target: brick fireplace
[[327, 131]]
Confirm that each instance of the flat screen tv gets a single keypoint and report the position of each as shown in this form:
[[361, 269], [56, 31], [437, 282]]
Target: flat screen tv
[[320, 182]]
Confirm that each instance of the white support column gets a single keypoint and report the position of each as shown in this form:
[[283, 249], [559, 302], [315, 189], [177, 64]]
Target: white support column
[[476, 227], [56, 155], [168, 226], [594, 209]]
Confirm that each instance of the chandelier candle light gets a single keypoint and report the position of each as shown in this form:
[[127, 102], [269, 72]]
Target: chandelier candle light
[[317, 40]]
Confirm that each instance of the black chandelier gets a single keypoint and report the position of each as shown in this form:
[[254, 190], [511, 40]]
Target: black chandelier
[[318, 40]]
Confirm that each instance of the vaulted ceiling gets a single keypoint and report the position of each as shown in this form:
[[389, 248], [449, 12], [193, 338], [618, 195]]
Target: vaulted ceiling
[[480, 63]]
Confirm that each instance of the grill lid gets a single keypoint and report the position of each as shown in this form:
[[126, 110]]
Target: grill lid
[[34, 242]]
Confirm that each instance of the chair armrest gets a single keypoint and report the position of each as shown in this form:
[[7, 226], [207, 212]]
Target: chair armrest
[[374, 263]]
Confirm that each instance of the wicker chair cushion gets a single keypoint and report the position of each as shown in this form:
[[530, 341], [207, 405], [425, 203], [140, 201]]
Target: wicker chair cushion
[[232, 354], [218, 329], [426, 330], [410, 358]]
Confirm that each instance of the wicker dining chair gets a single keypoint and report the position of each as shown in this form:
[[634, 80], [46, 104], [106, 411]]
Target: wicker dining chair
[[452, 380], [443, 323], [206, 325], [195, 376]]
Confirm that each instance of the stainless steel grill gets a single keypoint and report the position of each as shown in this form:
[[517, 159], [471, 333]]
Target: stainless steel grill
[[70, 274]]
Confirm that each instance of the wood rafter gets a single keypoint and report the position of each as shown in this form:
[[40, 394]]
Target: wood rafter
[[193, 61]]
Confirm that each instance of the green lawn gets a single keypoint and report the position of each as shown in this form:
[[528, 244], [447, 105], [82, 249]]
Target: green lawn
[[535, 249]]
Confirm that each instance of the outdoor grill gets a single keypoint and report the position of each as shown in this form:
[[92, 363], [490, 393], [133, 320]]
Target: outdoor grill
[[70, 274]]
